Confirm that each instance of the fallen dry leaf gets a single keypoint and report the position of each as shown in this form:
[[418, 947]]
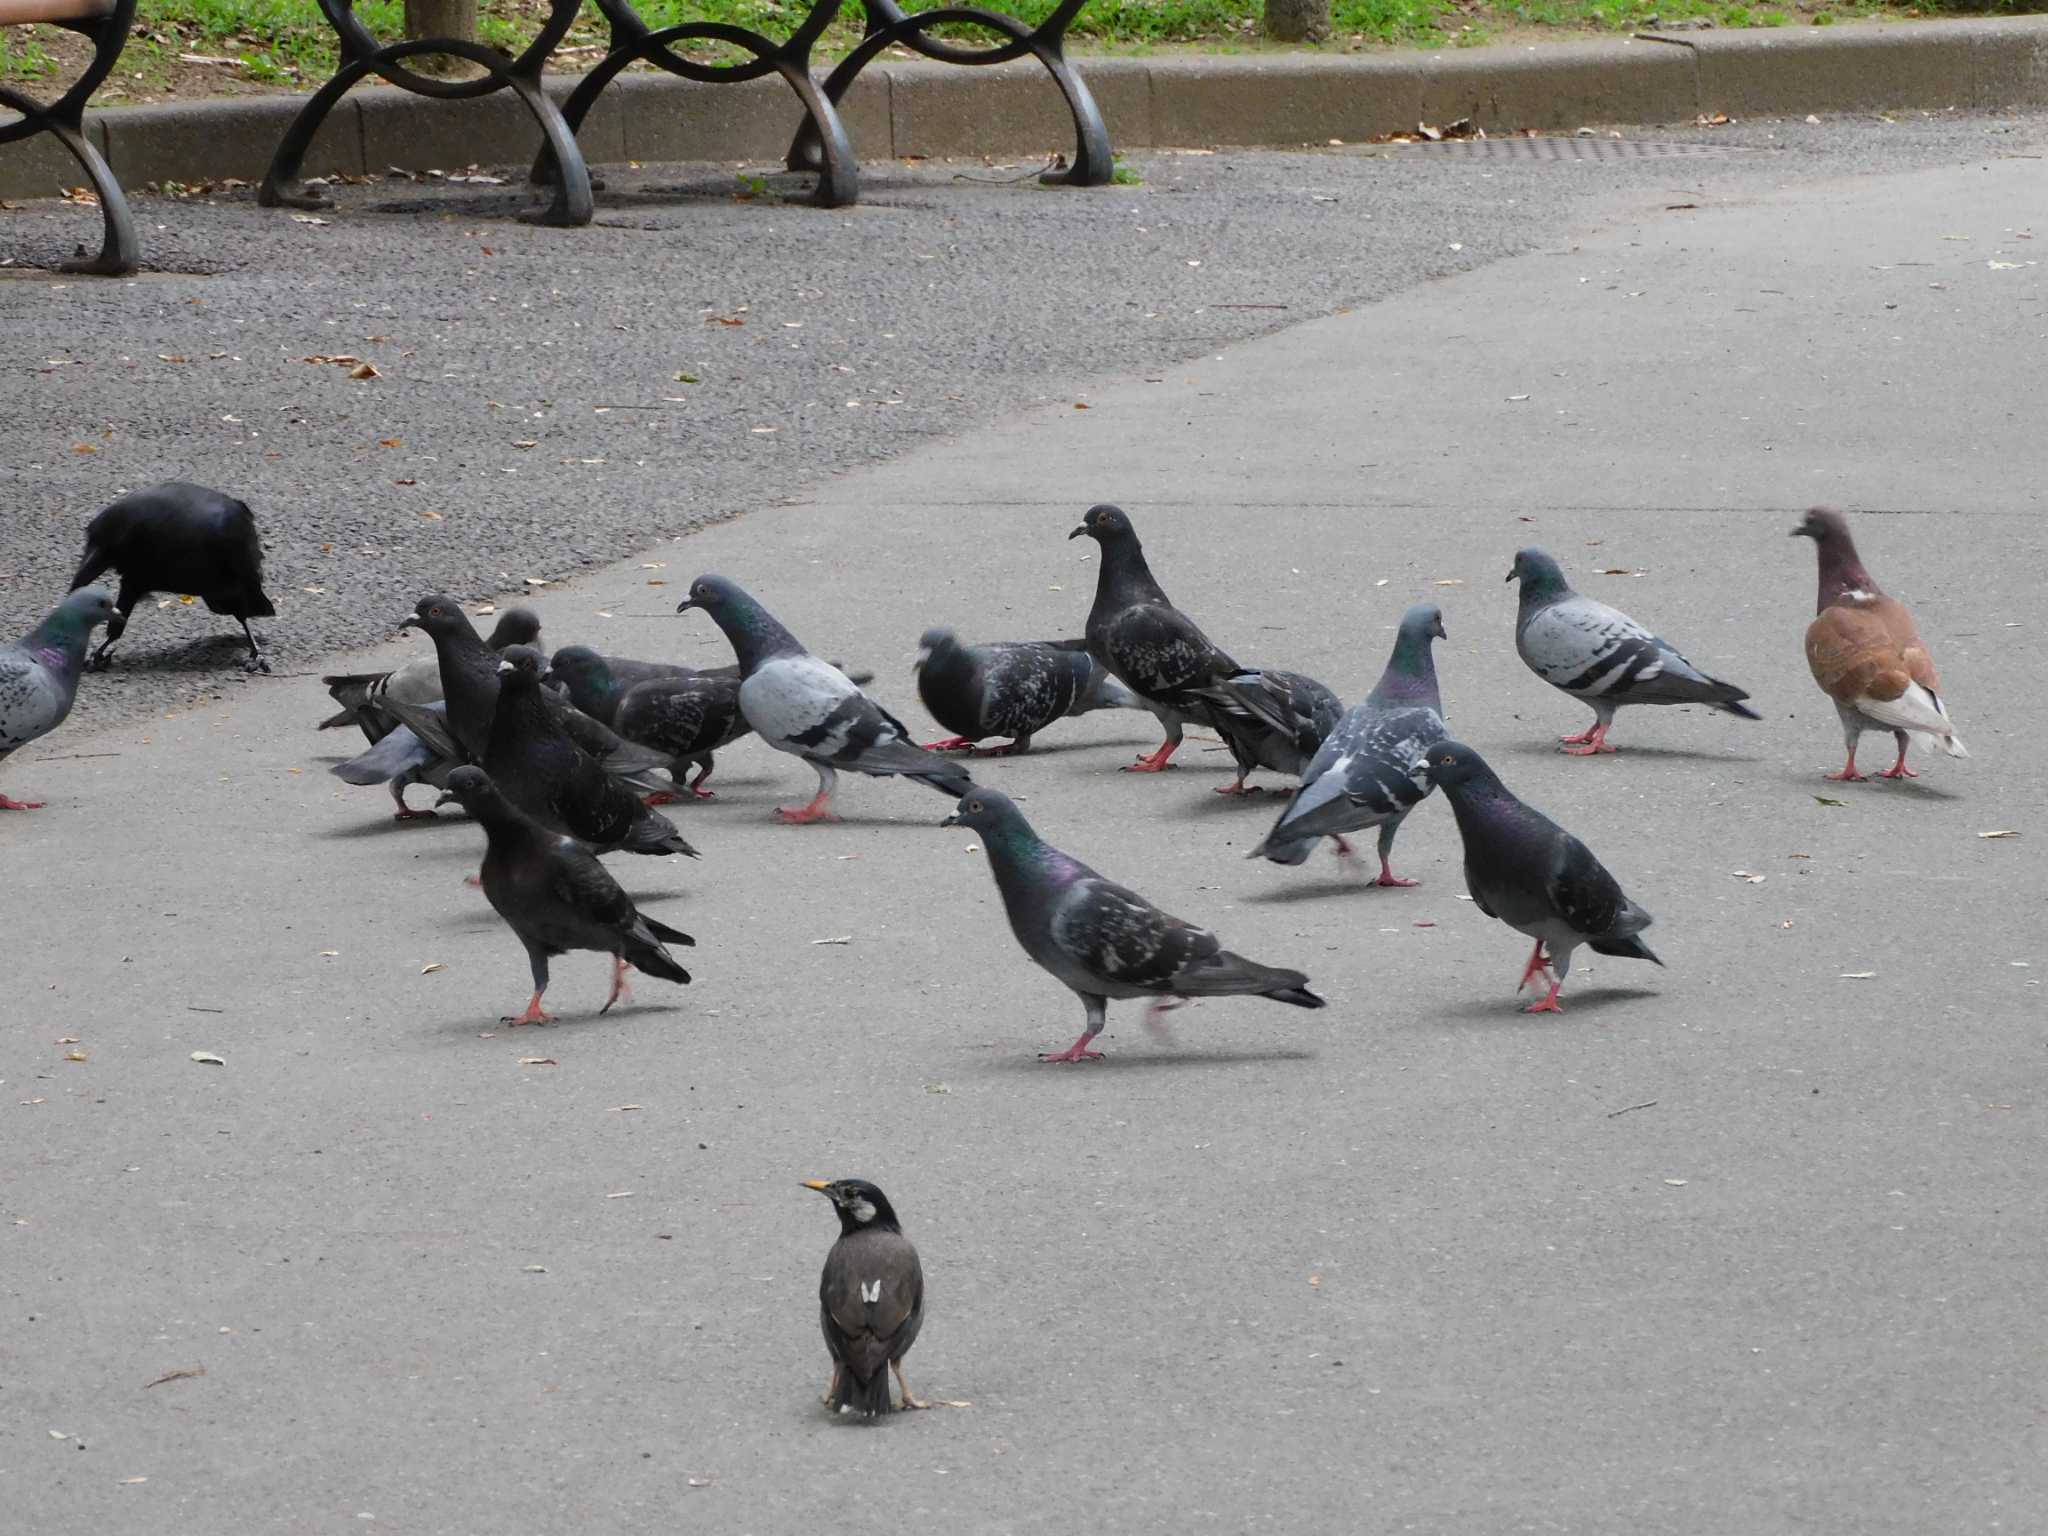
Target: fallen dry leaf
[[1857, 975], [844, 938], [1824, 800], [208, 1059], [1743, 874], [182, 1373], [428, 970], [74, 1056], [538, 1061], [2002, 832], [364, 371]]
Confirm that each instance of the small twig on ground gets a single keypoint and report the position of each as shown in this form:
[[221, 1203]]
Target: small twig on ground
[[1646, 1104]]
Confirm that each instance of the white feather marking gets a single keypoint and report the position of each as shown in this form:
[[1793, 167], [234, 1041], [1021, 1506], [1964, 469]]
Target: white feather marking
[[871, 1290], [1919, 712]]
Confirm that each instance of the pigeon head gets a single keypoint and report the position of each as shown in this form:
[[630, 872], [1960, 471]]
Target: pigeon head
[[61, 639], [717, 597], [755, 633], [933, 641], [438, 615], [1822, 524], [515, 626], [1105, 524], [523, 660], [985, 811], [1451, 765], [85, 609], [472, 789], [1841, 570], [1542, 578], [1423, 622], [859, 1203], [583, 671]]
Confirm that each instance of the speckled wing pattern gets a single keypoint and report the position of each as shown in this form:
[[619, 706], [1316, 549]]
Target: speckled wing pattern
[[32, 701], [1122, 940], [1592, 651]]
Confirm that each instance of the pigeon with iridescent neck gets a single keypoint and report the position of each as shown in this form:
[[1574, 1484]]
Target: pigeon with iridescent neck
[[812, 710], [1103, 940], [39, 674], [1013, 688], [1599, 654], [1525, 870], [1363, 776]]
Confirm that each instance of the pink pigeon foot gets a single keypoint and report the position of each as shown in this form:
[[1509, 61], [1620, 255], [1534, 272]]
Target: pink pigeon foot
[[1156, 762], [951, 744], [407, 813], [1549, 1004], [19, 805], [1078, 1051], [619, 987], [1388, 877], [658, 797], [820, 809], [533, 1014], [1538, 967], [1898, 770], [1155, 1016], [1587, 743]]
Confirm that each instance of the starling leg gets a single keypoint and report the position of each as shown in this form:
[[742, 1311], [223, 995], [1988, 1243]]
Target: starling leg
[[1899, 770], [951, 744], [19, 805], [903, 1385], [820, 808], [619, 987], [1587, 743], [1097, 1007]]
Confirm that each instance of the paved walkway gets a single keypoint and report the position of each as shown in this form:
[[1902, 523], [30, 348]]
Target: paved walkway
[[1747, 1244]]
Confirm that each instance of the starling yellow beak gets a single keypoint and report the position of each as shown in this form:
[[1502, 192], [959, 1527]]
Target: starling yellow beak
[[870, 1299]]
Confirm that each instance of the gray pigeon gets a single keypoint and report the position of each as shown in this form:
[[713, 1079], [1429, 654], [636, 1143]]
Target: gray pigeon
[[39, 674], [400, 758], [1271, 719], [1524, 869], [1363, 776], [810, 709], [541, 768], [1153, 649], [469, 671], [361, 695], [1012, 688], [1600, 654], [1102, 940], [554, 894]]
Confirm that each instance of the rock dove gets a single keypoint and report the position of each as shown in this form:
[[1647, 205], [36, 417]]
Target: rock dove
[[1150, 646], [361, 695], [469, 670], [1362, 776], [1600, 654], [1524, 869], [870, 1299], [553, 893], [811, 709], [1271, 719], [1010, 688], [688, 718], [1102, 940], [401, 758], [184, 539], [39, 674], [1868, 657], [542, 770], [598, 683]]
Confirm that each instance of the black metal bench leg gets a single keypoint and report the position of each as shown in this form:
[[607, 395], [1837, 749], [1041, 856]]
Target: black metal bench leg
[[120, 251], [1094, 164], [832, 156], [281, 187], [574, 110], [572, 204]]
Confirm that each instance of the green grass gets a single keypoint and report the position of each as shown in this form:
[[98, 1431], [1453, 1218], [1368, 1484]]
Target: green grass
[[287, 43]]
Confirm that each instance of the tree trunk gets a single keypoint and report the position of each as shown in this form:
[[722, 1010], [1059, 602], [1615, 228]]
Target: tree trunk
[[441, 18], [1296, 21]]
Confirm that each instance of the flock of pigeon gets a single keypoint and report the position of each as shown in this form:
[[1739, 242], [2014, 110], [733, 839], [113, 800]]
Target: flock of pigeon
[[560, 759]]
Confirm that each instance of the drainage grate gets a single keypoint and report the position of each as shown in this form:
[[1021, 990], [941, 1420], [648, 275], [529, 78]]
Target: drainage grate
[[1522, 148]]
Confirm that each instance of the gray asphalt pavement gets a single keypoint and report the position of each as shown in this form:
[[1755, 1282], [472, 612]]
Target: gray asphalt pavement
[[1751, 1243]]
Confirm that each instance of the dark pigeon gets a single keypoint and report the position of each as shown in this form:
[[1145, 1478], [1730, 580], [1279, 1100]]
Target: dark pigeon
[[39, 675], [1363, 774], [1102, 940], [812, 710], [183, 539], [1524, 869], [1271, 719], [469, 671], [554, 894], [597, 683], [1013, 688], [1152, 648], [540, 768], [1599, 654], [362, 695], [870, 1299], [688, 718]]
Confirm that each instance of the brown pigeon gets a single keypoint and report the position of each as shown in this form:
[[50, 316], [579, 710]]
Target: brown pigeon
[[1868, 657]]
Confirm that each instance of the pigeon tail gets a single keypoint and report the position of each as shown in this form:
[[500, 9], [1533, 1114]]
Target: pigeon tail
[[1283, 846], [1737, 708], [870, 1397], [1301, 997], [1630, 948], [653, 833], [653, 960], [392, 755], [1230, 975]]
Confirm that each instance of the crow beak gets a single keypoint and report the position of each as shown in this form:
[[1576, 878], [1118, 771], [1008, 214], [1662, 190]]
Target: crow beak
[[686, 605], [1078, 531], [819, 1185], [951, 821]]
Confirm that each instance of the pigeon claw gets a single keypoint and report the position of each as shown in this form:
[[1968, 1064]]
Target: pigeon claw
[[658, 798], [1848, 775], [1240, 788], [1078, 1051], [1897, 771], [951, 744], [1155, 762], [407, 813], [619, 987], [1587, 742], [819, 809], [19, 805], [1549, 1004], [533, 1014], [1390, 879], [1155, 1016]]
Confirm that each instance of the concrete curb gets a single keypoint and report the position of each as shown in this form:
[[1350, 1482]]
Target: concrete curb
[[1185, 102]]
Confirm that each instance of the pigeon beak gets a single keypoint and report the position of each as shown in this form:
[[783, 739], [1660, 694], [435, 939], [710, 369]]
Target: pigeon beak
[[686, 605], [819, 1185], [1801, 533], [504, 667], [1078, 531], [1509, 577], [951, 821], [446, 799], [410, 621]]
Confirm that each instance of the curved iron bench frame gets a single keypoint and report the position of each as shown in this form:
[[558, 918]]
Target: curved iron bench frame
[[64, 120], [888, 25], [362, 55]]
